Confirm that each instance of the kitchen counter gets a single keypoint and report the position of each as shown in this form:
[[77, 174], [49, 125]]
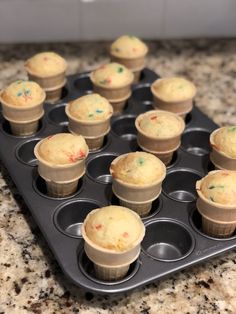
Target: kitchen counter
[[30, 279]]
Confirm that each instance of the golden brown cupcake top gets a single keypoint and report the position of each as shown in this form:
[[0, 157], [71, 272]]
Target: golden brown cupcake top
[[139, 168], [225, 140], [220, 187], [63, 148], [91, 107], [112, 75], [46, 64], [161, 124], [128, 47], [114, 228], [23, 94], [173, 89]]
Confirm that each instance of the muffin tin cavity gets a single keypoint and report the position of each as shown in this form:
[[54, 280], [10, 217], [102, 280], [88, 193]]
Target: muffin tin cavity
[[57, 115], [7, 129], [124, 127], [39, 186], [25, 152], [69, 217], [196, 222], [98, 167], [142, 94], [87, 268], [179, 184], [196, 142], [167, 240], [84, 84]]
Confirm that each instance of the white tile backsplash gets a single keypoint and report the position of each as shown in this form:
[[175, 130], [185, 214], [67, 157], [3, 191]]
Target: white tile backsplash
[[64, 20]]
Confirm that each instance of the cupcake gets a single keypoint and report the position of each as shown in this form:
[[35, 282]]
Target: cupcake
[[48, 70], [61, 162], [136, 180], [173, 94], [22, 105], [217, 203], [90, 116], [129, 51], [113, 81], [159, 133], [112, 237], [223, 143]]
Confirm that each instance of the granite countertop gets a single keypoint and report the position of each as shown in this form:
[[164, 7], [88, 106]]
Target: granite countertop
[[30, 278]]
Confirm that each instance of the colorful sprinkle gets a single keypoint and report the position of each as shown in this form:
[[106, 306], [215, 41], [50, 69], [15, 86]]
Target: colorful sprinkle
[[90, 115], [233, 129], [49, 137], [75, 157], [141, 161], [120, 70], [105, 81], [125, 234], [99, 111], [98, 227], [19, 94], [211, 198], [153, 118]]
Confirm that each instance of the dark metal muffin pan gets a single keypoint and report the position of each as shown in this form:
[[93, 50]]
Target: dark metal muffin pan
[[173, 240]]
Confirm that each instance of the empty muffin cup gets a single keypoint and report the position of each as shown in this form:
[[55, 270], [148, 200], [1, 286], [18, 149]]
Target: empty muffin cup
[[162, 147], [219, 159], [218, 220], [110, 264]]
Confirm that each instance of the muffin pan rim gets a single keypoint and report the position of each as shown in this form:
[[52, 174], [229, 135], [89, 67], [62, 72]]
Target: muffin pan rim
[[149, 269]]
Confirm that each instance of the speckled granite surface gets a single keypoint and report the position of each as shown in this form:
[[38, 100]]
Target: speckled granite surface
[[30, 279]]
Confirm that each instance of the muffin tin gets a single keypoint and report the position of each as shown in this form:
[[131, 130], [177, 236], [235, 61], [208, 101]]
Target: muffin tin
[[173, 240]]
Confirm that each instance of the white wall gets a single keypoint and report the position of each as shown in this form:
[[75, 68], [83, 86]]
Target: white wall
[[60, 20]]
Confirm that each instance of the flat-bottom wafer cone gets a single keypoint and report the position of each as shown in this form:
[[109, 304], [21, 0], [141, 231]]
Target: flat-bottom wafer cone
[[218, 158], [137, 75], [53, 94], [94, 143], [110, 273], [142, 209], [216, 228], [24, 128], [165, 157], [118, 105], [61, 189]]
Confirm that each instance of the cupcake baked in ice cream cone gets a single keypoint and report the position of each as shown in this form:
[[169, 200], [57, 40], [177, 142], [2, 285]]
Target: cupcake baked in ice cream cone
[[173, 94], [137, 180], [90, 116], [223, 143], [131, 52], [22, 105], [61, 162], [48, 69], [159, 133], [217, 203], [112, 238], [113, 81]]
